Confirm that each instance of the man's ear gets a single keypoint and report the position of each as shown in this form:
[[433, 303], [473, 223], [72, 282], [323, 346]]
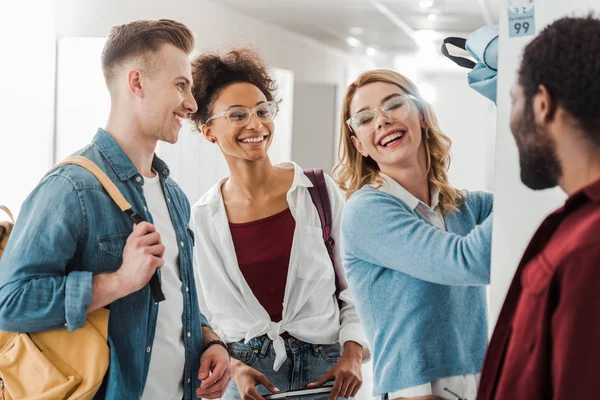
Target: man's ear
[[357, 143], [134, 82], [543, 106]]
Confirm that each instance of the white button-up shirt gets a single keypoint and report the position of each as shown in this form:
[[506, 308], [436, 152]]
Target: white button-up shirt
[[310, 309], [463, 385]]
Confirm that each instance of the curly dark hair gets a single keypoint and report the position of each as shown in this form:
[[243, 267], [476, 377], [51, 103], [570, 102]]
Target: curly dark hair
[[565, 59], [212, 73]]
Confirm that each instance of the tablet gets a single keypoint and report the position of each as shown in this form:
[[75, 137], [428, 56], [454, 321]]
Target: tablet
[[300, 392]]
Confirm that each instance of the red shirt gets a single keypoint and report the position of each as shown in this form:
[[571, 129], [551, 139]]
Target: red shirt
[[546, 344], [263, 249]]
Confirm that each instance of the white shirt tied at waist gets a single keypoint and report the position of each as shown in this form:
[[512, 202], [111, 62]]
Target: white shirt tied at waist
[[310, 309], [273, 331]]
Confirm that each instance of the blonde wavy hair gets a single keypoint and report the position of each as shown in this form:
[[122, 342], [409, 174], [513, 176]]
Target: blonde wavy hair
[[353, 171]]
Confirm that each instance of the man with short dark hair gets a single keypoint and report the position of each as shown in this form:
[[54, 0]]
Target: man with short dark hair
[[74, 251], [545, 345]]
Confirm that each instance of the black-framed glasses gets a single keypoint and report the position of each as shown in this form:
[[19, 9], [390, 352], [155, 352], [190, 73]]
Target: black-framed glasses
[[397, 109], [239, 116]]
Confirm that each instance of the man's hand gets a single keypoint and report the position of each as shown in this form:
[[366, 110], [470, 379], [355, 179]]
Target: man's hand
[[346, 373], [142, 256], [247, 378], [215, 372]]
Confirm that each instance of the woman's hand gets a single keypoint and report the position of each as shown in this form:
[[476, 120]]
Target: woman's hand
[[247, 378], [346, 373]]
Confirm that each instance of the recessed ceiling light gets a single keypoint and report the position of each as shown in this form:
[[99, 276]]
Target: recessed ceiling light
[[371, 51], [432, 17], [352, 41], [426, 3]]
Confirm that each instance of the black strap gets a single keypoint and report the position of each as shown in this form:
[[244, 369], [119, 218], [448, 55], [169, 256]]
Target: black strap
[[461, 43], [320, 198], [155, 288]]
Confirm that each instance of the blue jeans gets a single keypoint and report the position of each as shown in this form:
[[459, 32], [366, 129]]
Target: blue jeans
[[305, 364]]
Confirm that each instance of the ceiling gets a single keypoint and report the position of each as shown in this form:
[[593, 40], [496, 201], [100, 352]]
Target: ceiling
[[388, 26]]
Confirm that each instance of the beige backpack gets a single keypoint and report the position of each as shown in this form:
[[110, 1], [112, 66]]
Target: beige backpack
[[5, 229]]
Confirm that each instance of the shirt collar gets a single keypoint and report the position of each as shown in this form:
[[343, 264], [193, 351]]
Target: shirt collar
[[582, 196], [390, 186], [120, 161], [593, 191], [214, 194]]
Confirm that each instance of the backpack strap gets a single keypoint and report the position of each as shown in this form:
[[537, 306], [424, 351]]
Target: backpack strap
[[123, 204], [320, 198], [7, 211], [461, 44]]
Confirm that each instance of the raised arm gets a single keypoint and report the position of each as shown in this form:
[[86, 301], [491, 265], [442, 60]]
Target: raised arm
[[379, 229]]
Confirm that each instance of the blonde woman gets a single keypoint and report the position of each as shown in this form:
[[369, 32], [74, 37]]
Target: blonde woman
[[416, 250]]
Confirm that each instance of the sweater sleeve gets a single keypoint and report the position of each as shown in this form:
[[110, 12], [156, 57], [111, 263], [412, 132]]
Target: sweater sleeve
[[380, 229]]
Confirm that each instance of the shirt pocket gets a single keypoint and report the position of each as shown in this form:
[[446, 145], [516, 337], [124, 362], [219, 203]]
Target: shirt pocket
[[530, 314], [110, 251], [314, 263]]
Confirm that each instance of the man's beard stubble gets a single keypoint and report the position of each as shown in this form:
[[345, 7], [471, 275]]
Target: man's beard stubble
[[540, 166]]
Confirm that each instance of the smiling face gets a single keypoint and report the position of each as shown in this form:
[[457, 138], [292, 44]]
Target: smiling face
[[389, 141], [166, 98], [250, 142]]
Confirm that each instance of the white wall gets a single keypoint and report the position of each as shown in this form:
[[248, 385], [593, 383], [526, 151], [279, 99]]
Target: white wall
[[315, 118], [26, 98], [469, 120], [517, 210]]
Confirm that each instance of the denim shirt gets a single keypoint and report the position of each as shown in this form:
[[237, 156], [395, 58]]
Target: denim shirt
[[68, 230]]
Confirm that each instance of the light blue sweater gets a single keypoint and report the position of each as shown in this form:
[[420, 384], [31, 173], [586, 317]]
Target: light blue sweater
[[419, 290]]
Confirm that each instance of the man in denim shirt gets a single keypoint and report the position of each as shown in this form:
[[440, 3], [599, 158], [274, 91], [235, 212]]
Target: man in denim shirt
[[74, 251]]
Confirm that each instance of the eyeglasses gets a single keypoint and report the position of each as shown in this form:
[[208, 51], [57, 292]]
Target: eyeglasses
[[239, 116], [397, 109]]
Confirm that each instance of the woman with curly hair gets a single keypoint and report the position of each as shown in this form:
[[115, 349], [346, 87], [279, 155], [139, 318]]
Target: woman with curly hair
[[267, 281], [416, 250]]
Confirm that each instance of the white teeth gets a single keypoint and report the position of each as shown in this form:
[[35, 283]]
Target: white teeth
[[254, 140], [390, 138]]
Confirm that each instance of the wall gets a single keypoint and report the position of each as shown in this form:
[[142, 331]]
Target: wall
[[469, 120], [314, 125], [26, 98], [517, 210]]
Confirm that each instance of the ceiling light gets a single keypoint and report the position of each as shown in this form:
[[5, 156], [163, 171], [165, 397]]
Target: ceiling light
[[371, 51], [426, 3], [432, 17], [352, 41]]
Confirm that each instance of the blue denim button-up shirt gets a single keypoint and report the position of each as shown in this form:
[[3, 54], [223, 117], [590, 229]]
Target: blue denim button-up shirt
[[68, 230]]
